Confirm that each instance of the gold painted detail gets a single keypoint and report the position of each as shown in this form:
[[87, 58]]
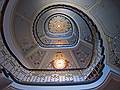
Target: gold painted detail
[[59, 24]]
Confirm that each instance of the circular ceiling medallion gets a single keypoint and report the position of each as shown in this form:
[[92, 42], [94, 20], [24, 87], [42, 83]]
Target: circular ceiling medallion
[[59, 24]]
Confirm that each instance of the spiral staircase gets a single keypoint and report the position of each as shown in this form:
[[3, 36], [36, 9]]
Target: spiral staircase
[[56, 43]]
